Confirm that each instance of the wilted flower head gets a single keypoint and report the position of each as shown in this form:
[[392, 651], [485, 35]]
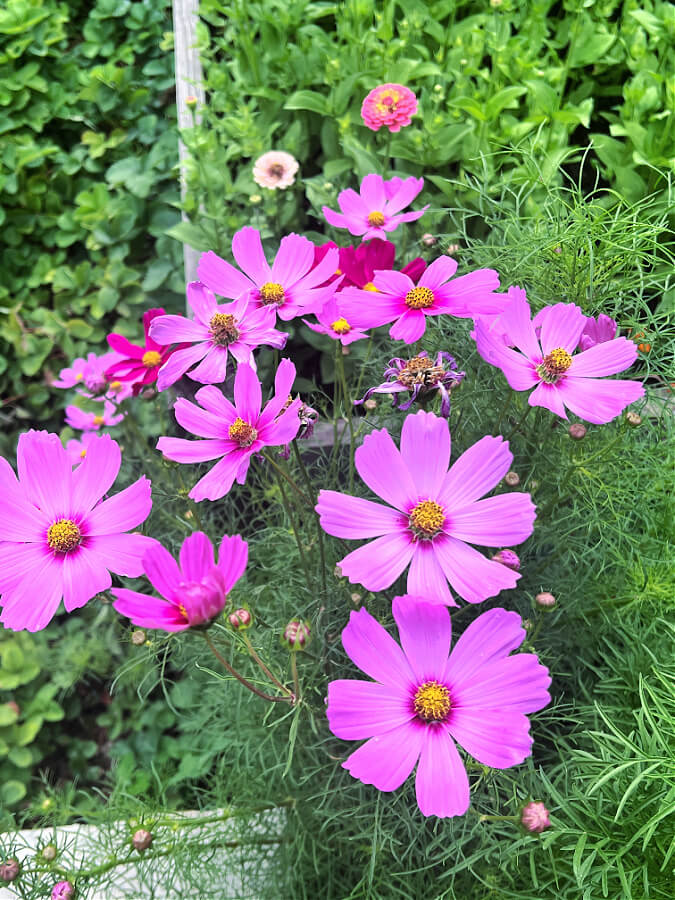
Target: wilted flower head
[[375, 210], [275, 169], [419, 376], [534, 817], [391, 105], [9, 870]]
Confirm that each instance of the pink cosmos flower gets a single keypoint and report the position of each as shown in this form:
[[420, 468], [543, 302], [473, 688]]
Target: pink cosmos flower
[[236, 328], [432, 514], [422, 700], [233, 432], [560, 380], [291, 286], [77, 449], [334, 324], [59, 539], [420, 375], [597, 331], [376, 209], [194, 593], [92, 421], [138, 364], [357, 265], [275, 169], [406, 304], [89, 377], [391, 105]]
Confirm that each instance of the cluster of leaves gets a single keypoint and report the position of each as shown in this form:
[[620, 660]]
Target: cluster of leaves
[[87, 119]]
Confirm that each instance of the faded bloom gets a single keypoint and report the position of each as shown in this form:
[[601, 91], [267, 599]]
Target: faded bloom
[[63, 890], [275, 169], [377, 208], [93, 421], [391, 105], [420, 377], [141, 840], [296, 635], [138, 637], [534, 817], [545, 599], [508, 558], [633, 419]]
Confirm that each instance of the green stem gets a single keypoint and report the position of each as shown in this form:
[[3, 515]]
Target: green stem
[[296, 680], [364, 365], [319, 529], [521, 420], [348, 413], [278, 469], [221, 659], [262, 665], [296, 534]]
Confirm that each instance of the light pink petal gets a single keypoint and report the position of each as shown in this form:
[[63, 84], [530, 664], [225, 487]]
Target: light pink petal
[[283, 382], [96, 473], [196, 557], [215, 402], [518, 683], [378, 564], [441, 784], [515, 322], [406, 192], [440, 271], [177, 329], [83, 577], [20, 520], [178, 363], [426, 578], [199, 421], [425, 450], [500, 521], [121, 553], [495, 737], [232, 559], [472, 294], [562, 328], [337, 220], [548, 396], [606, 358], [162, 570], [425, 631], [381, 466], [361, 709], [147, 611], [392, 223], [480, 468], [184, 451], [250, 256], [373, 193], [519, 371], [201, 301], [386, 760], [213, 368], [221, 277], [389, 281], [121, 512], [30, 605], [375, 652], [470, 574], [293, 260], [598, 401], [247, 394], [344, 516], [409, 327], [44, 472], [490, 637], [218, 481]]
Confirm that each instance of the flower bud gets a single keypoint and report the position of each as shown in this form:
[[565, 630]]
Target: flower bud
[[63, 890], [255, 199], [148, 394], [240, 619], [141, 840], [545, 599], [191, 102], [49, 853], [296, 635], [138, 637], [451, 248], [9, 870], [14, 706], [512, 479], [577, 431], [507, 558], [534, 817], [356, 598], [429, 240], [633, 419], [328, 185], [370, 403]]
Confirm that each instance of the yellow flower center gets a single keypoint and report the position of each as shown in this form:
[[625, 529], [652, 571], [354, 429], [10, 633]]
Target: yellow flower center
[[432, 701], [272, 293], [427, 519], [183, 611], [554, 365], [376, 218], [420, 370], [79, 376], [341, 326], [419, 298], [83, 452], [243, 433], [98, 420], [116, 385], [151, 358], [223, 329], [370, 287], [63, 535]]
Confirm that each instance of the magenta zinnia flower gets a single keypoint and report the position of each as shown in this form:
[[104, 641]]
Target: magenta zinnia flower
[[194, 593], [237, 328], [432, 514], [390, 105], [420, 376], [136, 363], [423, 700], [233, 432], [93, 421], [377, 208], [291, 286], [399, 300], [59, 539], [560, 379]]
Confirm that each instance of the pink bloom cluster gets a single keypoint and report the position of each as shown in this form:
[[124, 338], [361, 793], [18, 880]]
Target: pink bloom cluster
[[388, 105]]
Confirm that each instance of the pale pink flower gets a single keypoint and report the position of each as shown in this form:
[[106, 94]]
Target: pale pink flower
[[376, 209], [92, 421], [391, 105], [275, 169]]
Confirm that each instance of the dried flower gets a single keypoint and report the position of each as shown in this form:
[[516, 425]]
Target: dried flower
[[49, 852], [633, 419], [420, 376], [391, 105], [512, 479], [577, 431], [141, 840], [369, 404], [545, 599], [534, 817], [275, 169], [138, 637], [429, 240]]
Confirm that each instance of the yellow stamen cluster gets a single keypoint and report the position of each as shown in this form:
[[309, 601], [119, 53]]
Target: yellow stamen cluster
[[341, 326], [63, 535], [386, 102], [150, 359], [419, 298], [98, 420], [272, 292], [376, 218], [554, 365], [420, 370], [83, 452], [223, 329], [432, 701], [243, 433], [369, 286], [427, 519], [182, 611]]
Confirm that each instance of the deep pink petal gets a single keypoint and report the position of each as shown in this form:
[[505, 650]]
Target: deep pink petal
[[121, 553], [219, 480], [344, 516], [177, 329], [84, 576], [425, 631], [490, 637], [247, 394], [162, 570], [375, 652], [606, 358], [379, 463], [196, 557], [96, 473], [480, 468], [409, 327], [386, 760], [425, 450], [199, 421], [517, 368], [378, 564], [426, 578], [147, 611], [293, 260], [178, 363], [121, 345], [441, 784], [495, 737], [361, 709], [440, 271], [500, 521], [470, 574], [548, 396], [598, 401], [184, 451], [44, 472], [121, 512], [562, 328], [250, 256], [232, 559], [323, 271], [221, 277]]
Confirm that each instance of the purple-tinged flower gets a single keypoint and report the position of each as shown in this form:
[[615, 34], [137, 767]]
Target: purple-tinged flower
[[508, 558], [194, 593], [237, 328], [291, 286], [424, 698], [93, 421], [420, 377], [597, 331], [377, 208], [432, 516], [233, 432], [399, 300], [333, 324], [77, 449], [561, 380], [138, 364], [534, 817], [59, 539]]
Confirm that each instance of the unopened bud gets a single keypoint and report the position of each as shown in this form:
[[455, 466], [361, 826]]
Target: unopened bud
[[577, 431], [189, 514], [141, 840], [356, 598], [296, 635], [512, 479], [429, 240], [63, 890], [240, 618], [49, 852], [507, 558], [534, 817], [528, 624], [337, 571], [451, 248], [14, 706], [148, 394], [370, 403], [255, 199], [191, 102], [328, 185], [545, 599], [138, 637], [633, 419], [9, 870]]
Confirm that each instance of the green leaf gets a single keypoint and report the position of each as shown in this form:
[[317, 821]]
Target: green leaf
[[20, 756], [310, 100], [12, 792], [8, 715], [156, 274], [504, 99], [187, 233], [589, 48]]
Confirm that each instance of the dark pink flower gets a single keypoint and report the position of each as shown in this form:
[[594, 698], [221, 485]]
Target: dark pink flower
[[424, 698], [391, 105], [194, 593], [377, 208], [138, 364]]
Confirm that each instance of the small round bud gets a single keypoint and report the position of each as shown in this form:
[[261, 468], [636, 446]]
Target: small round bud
[[337, 571], [528, 624], [534, 817], [356, 598], [255, 199], [451, 249], [63, 890], [512, 479], [429, 240], [296, 635], [189, 514], [495, 3], [14, 706], [545, 600], [9, 870], [141, 840], [438, 88], [577, 431], [328, 186], [138, 637], [49, 852], [148, 394], [370, 403], [507, 558], [240, 619], [633, 419], [191, 102]]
